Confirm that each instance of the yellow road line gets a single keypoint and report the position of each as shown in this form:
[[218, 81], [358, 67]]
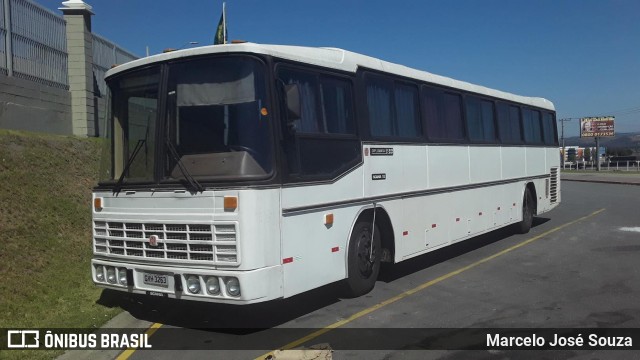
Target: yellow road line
[[150, 331], [403, 295]]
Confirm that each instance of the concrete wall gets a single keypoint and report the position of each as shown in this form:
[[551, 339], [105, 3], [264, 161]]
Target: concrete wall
[[27, 105]]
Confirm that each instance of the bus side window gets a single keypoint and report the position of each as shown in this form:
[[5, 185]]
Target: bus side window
[[453, 117], [307, 86], [393, 108], [532, 127], [443, 114], [407, 111], [509, 123], [480, 120], [322, 142], [548, 129], [432, 112], [380, 106], [337, 106]]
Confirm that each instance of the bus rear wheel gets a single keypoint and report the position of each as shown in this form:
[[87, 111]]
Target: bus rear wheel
[[524, 226], [364, 259]]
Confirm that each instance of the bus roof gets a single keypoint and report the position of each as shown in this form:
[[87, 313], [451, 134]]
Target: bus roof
[[333, 58]]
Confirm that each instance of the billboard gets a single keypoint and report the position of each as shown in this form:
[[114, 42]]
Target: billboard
[[597, 126]]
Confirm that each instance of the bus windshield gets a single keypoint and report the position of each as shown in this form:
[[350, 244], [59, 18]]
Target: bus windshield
[[214, 125]]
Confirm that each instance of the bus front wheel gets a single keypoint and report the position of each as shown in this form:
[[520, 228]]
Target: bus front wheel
[[364, 259], [524, 226]]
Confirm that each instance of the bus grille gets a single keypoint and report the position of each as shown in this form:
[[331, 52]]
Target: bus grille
[[180, 243], [554, 185]]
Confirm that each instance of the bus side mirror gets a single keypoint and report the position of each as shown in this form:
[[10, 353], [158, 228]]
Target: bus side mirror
[[292, 92]]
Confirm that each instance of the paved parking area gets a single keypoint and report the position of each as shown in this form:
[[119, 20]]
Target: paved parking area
[[606, 177]]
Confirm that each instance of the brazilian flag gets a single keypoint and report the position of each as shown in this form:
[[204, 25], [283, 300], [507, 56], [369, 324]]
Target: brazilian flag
[[220, 32]]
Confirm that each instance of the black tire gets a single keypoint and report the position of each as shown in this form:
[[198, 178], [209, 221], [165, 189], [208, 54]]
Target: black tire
[[362, 270], [524, 226]]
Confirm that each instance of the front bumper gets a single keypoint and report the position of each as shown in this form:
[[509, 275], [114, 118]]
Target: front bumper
[[257, 285]]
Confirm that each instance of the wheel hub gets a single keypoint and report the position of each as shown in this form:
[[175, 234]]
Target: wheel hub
[[365, 254]]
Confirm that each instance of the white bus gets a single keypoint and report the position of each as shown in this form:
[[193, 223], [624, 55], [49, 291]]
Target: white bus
[[243, 173]]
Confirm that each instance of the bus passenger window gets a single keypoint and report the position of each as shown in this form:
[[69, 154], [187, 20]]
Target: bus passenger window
[[453, 117], [549, 129], [393, 108], [443, 113], [407, 111], [532, 130], [337, 114], [380, 106], [323, 143], [480, 122], [509, 124]]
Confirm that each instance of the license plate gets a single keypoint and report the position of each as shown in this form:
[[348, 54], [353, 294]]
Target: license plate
[[156, 280]]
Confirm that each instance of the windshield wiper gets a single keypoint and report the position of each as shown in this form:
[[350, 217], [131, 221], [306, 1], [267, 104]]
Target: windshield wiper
[[136, 150], [190, 179]]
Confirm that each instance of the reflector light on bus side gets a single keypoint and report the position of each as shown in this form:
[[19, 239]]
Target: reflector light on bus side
[[328, 219], [97, 203], [230, 202]]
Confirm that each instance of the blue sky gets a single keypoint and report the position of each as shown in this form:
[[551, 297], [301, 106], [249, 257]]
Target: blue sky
[[583, 55]]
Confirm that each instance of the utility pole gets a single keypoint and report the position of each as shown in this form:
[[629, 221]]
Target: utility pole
[[597, 154]]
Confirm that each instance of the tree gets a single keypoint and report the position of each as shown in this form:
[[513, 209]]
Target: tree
[[619, 151], [587, 154], [571, 154]]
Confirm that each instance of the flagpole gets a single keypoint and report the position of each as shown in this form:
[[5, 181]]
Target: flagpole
[[224, 23]]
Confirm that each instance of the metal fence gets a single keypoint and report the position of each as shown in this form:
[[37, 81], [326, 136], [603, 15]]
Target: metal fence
[[38, 44], [33, 46], [3, 46], [623, 165], [105, 55]]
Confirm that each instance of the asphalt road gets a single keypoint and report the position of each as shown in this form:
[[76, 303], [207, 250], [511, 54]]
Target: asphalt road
[[577, 268]]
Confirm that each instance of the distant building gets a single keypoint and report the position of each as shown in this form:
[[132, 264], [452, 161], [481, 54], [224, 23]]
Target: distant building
[[580, 151]]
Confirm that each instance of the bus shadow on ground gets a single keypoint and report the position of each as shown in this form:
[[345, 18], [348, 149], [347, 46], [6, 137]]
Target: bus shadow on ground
[[247, 319], [238, 319], [392, 272]]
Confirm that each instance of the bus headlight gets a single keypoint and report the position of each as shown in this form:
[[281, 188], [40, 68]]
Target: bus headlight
[[100, 273], [122, 276], [111, 275], [233, 286], [213, 285], [193, 284]]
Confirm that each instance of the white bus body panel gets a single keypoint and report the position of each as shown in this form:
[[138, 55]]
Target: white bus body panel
[[405, 185], [256, 242], [484, 164], [514, 163], [448, 166], [425, 219], [315, 253]]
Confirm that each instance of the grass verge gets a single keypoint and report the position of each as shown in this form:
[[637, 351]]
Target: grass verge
[[45, 227]]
